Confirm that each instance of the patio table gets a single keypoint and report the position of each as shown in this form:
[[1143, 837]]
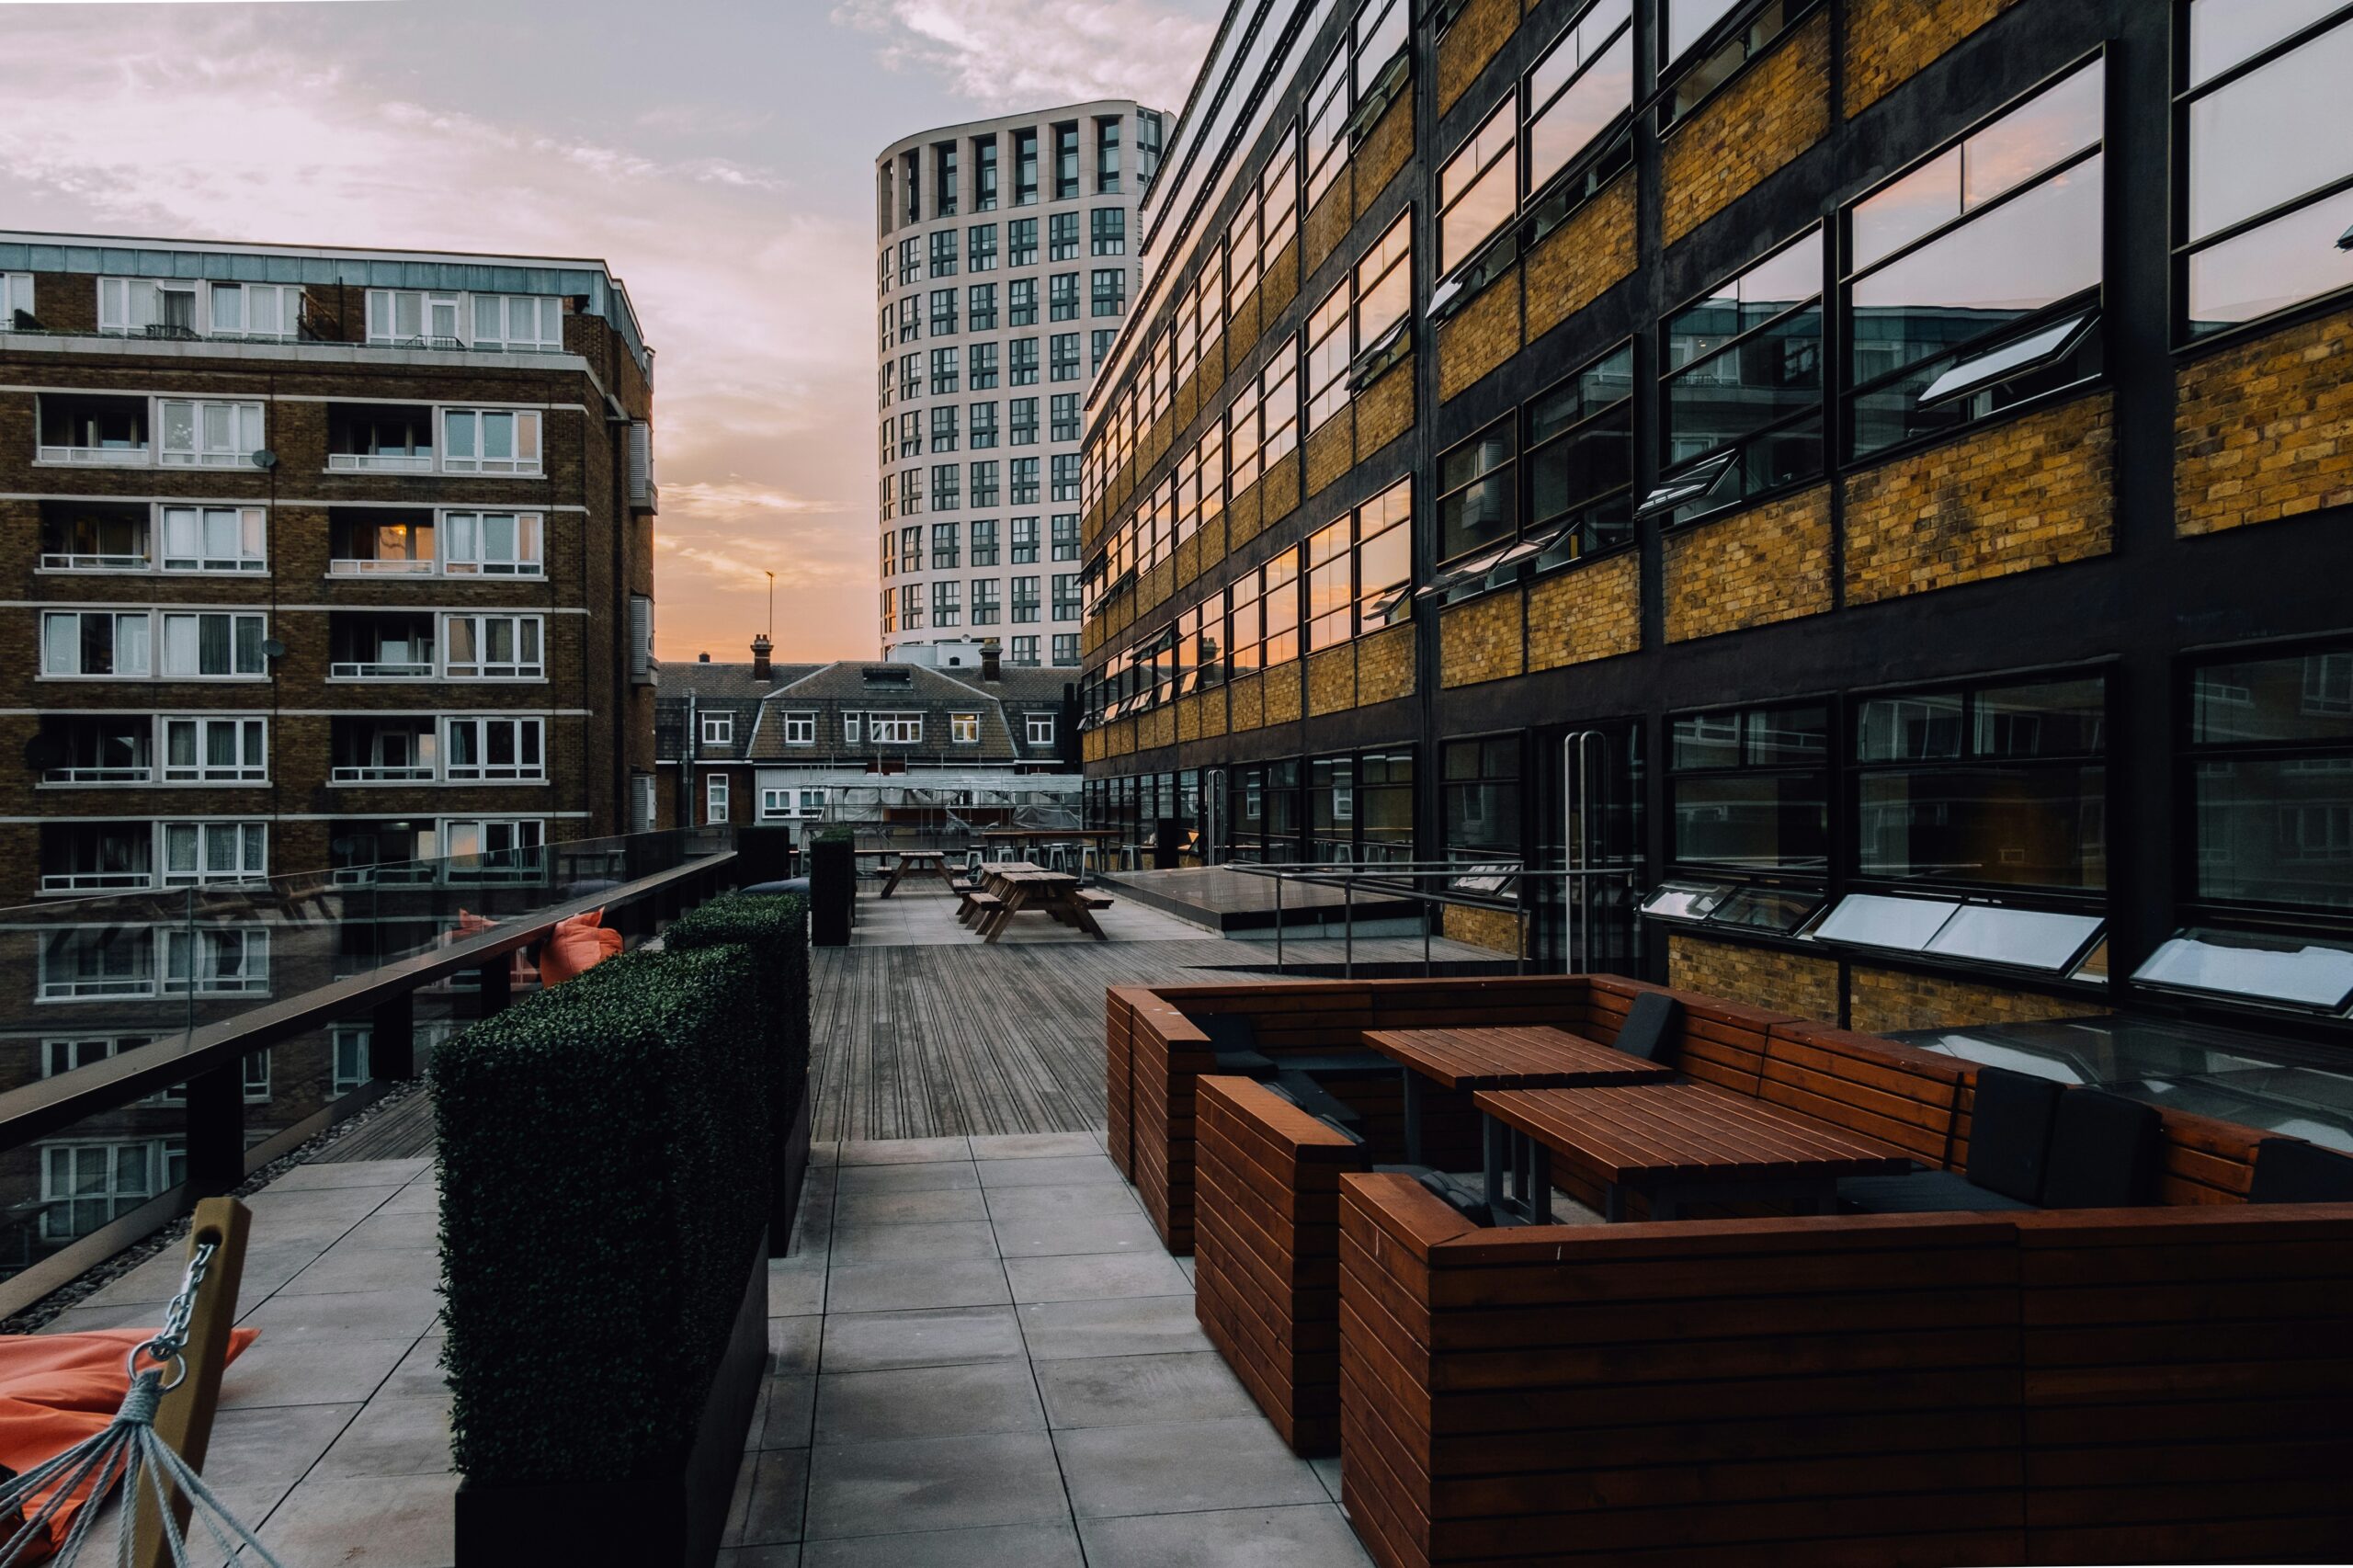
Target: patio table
[[932, 861], [1034, 892], [1509, 1056], [1675, 1144]]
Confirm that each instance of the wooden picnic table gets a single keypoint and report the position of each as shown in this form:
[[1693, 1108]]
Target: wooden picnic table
[[934, 860], [1675, 1144], [1034, 892], [1508, 1056]]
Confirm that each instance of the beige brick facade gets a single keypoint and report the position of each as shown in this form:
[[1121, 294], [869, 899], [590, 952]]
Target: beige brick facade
[[1576, 263], [1332, 680], [1481, 640], [1385, 409], [1478, 35], [2028, 493], [1887, 41], [1771, 978], [1769, 564], [2264, 429], [1594, 612], [1385, 665], [1880, 1001], [1479, 338], [1777, 109]]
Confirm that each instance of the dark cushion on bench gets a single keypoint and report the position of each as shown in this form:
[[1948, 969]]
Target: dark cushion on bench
[[1649, 1026], [2103, 1152], [1455, 1192], [1922, 1192], [2009, 1136], [1317, 1101], [2288, 1171]]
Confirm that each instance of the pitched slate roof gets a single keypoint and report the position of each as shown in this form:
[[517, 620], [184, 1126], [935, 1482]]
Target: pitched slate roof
[[830, 692]]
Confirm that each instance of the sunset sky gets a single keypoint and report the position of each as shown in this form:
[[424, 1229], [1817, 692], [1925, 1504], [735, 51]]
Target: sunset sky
[[717, 156]]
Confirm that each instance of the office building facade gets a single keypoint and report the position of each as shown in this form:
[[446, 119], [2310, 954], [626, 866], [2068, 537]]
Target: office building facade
[[1003, 267], [1875, 479]]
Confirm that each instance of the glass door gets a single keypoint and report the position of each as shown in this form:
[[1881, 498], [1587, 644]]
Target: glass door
[[1590, 781]]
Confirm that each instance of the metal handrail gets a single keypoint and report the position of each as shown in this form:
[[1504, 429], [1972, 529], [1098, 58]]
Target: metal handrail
[[1347, 876]]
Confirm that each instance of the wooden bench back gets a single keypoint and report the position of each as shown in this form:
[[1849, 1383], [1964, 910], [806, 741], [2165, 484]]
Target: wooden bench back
[[2203, 1160], [1899, 1095], [1718, 1042]]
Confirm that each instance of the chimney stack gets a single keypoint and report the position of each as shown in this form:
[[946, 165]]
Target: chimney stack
[[702, 658], [991, 662], [761, 648]]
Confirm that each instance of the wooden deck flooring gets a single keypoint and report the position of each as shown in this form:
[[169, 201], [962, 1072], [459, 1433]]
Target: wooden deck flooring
[[930, 1042]]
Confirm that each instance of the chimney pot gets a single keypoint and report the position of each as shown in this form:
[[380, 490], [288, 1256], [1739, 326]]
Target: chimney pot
[[761, 648], [702, 658]]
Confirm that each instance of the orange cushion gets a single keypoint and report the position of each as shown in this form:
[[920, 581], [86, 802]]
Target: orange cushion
[[576, 946], [472, 925], [58, 1388]]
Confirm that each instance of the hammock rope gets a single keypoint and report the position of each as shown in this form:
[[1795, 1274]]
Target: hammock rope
[[127, 1453]]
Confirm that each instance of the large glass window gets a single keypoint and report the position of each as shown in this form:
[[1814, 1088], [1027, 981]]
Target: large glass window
[[2269, 132], [1478, 187], [1580, 443], [1750, 789], [2001, 786], [1742, 384], [1477, 502], [2270, 764], [1480, 796], [1974, 279]]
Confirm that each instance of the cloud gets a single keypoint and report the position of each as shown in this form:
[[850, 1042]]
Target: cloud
[[1032, 53], [760, 309]]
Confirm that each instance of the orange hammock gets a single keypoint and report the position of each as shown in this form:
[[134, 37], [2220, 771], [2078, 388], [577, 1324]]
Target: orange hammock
[[58, 1388]]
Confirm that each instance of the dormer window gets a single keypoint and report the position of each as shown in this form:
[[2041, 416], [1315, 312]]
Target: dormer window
[[719, 729]]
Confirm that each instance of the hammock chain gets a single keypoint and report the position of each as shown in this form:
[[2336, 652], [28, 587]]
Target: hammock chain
[[127, 1451]]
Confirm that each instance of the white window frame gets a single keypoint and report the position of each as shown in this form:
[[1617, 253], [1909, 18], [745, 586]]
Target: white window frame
[[168, 623], [523, 442], [383, 317], [853, 728], [247, 843], [718, 729], [801, 729], [526, 639], [462, 542], [1040, 727], [222, 433], [138, 945], [281, 303], [529, 323], [522, 837], [246, 973], [15, 294], [62, 1186], [118, 315], [245, 548], [714, 798], [964, 729], [895, 729], [145, 638], [482, 770], [247, 728]]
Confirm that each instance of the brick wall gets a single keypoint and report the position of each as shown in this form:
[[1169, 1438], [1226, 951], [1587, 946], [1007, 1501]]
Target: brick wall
[[1384, 151], [1331, 679], [1385, 409], [1771, 978], [1385, 665], [1578, 261], [1480, 338], [1769, 564], [1283, 694], [1331, 451], [1328, 221], [1591, 613], [1478, 35], [1889, 41], [1480, 641], [1246, 698], [1489, 928], [1880, 1001], [2264, 429], [2027, 493], [1777, 109]]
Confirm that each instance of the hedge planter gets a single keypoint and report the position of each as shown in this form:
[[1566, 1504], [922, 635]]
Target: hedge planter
[[608, 1152], [832, 888], [674, 1517]]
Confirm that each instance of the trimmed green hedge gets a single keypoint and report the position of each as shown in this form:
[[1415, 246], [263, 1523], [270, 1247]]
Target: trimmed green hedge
[[604, 1181], [775, 927]]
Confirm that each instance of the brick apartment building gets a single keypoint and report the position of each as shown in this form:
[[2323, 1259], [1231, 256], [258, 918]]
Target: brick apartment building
[[802, 746], [319, 559], [1881, 475]]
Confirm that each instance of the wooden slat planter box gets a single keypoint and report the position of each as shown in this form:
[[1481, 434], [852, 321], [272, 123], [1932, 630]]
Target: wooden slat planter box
[[2088, 1387], [1266, 1274]]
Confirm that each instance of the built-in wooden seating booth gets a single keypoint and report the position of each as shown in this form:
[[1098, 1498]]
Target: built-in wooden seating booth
[[2039, 1324]]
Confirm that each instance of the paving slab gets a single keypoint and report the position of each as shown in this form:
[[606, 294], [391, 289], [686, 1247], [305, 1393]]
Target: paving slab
[[1133, 1390], [909, 1179], [1309, 1535], [1079, 1234], [929, 1208], [1093, 1276], [1177, 1467], [915, 1283], [1133, 1325], [1034, 1145], [1002, 1546], [996, 1478], [1062, 1202], [901, 1150], [868, 1342], [1068, 1170], [929, 1402], [890, 1244]]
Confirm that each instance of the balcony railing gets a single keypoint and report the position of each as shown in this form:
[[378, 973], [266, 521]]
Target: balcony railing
[[94, 882], [97, 457], [67, 563], [380, 462], [355, 567], [139, 774], [383, 773], [388, 669], [340, 975]]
